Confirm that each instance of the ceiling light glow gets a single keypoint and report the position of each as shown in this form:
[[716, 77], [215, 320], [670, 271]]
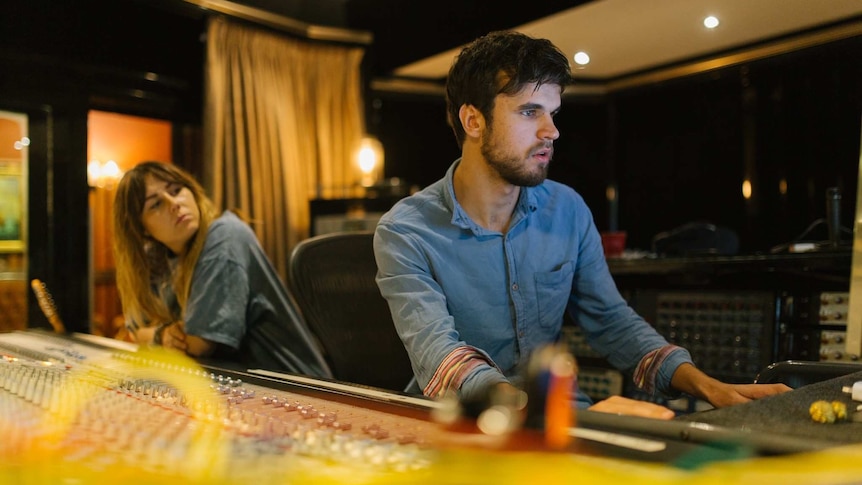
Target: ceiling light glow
[[710, 22], [582, 58]]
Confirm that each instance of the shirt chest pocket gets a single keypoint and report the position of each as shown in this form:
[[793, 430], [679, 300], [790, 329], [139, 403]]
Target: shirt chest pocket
[[552, 294]]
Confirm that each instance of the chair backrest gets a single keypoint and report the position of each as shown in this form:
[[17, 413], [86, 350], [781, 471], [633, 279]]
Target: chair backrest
[[798, 373], [332, 278]]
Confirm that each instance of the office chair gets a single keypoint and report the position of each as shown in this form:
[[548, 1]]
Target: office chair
[[332, 278], [798, 373]]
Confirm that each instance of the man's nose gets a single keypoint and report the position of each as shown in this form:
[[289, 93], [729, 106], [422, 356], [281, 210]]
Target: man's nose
[[548, 130]]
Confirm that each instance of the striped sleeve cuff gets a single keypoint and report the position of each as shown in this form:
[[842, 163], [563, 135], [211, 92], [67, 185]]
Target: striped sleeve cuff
[[645, 373], [454, 369]]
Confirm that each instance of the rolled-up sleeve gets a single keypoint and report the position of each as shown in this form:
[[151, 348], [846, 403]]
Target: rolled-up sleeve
[[423, 321], [614, 329]]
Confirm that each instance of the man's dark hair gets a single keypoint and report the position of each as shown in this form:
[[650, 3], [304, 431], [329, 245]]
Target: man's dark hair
[[500, 63]]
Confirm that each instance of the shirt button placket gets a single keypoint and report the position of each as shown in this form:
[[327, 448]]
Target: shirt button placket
[[515, 287]]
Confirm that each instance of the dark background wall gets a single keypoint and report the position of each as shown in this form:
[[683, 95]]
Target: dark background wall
[[677, 150], [61, 59]]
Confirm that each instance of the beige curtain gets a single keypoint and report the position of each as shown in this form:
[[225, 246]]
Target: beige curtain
[[282, 119]]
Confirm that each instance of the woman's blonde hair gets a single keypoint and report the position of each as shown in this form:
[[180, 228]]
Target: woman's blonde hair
[[143, 264]]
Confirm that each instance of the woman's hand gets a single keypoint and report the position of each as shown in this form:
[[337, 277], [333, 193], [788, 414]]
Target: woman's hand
[[199, 347], [143, 335], [174, 337]]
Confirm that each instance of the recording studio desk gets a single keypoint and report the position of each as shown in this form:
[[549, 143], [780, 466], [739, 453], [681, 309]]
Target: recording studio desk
[[120, 421], [787, 414]]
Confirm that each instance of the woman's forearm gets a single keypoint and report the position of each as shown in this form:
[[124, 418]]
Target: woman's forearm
[[144, 335]]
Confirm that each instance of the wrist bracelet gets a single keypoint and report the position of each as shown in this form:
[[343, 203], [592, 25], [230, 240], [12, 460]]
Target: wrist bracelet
[[157, 335]]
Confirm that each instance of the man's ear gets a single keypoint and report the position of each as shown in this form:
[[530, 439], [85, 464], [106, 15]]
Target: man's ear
[[472, 120]]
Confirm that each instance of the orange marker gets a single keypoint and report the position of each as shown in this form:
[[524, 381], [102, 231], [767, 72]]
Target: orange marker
[[559, 412]]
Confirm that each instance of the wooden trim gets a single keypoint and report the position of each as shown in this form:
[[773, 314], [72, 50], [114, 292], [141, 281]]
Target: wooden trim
[[285, 24], [811, 39]]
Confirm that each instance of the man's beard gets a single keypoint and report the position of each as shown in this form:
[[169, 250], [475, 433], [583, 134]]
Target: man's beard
[[511, 168]]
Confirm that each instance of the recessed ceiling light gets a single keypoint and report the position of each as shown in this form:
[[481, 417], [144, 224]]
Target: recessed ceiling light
[[710, 22], [582, 58]]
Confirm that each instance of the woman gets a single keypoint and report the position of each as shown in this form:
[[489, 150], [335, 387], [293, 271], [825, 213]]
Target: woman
[[198, 282]]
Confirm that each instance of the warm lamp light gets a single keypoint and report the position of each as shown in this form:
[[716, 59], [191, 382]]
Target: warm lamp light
[[369, 157], [746, 189], [103, 175], [367, 160]]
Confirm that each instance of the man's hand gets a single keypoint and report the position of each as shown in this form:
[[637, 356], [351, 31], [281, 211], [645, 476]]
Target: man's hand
[[632, 407], [724, 395], [689, 379]]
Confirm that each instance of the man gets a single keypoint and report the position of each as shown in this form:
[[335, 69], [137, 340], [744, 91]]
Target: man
[[479, 267]]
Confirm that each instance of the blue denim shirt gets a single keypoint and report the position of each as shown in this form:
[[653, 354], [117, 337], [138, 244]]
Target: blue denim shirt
[[450, 283]]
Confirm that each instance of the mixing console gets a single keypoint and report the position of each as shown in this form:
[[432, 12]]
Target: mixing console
[[91, 407], [80, 409]]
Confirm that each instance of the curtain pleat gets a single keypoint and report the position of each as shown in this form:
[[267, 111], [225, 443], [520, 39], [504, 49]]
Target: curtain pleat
[[282, 119]]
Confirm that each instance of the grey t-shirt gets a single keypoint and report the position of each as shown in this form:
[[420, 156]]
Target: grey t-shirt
[[237, 299]]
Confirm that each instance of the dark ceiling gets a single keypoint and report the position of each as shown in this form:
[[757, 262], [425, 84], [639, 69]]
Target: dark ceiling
[[93, 39], [406, 30]]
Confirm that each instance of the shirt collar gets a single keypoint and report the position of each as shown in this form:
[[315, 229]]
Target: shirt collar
[[526, 205]]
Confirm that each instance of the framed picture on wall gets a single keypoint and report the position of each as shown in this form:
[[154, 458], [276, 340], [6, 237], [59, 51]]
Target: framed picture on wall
[[13, 183], [11, 211]]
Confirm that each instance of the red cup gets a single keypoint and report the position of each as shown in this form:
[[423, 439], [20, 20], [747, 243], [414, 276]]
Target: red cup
[[614, 243]]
